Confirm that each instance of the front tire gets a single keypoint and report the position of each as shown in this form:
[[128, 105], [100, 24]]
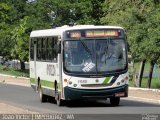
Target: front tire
[[115, 101]]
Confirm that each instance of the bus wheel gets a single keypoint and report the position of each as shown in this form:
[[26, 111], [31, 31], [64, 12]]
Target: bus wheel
[[43, 98], [115, 101]]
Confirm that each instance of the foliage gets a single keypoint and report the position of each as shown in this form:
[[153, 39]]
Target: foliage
[[4, 30], [47, 14], [20, 50], [141, 20], [19, 18], [131, 15]]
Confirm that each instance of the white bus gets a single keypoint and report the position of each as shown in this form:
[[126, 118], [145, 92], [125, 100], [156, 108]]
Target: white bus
[[79, 62]]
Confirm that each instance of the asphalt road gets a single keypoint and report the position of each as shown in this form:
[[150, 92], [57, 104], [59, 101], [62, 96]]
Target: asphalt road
[[25, 97]]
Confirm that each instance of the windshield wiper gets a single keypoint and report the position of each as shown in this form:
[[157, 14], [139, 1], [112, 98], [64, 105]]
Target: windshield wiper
[[86, 47], [106, 50]]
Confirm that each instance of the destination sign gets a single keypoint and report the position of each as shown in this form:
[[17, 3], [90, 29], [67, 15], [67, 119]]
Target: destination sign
[[76, 34], [101, 33]]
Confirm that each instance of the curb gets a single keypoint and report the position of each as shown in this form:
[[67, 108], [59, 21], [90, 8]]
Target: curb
[[14, 76], [19, 84]]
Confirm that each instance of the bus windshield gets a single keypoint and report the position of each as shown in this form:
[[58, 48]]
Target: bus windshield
[[90, 56]]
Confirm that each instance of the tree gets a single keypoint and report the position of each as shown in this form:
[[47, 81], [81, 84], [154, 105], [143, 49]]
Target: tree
[[89, 12], [6, 44], [153, 54], [41, 14], [20, 50], [55, 13], [135, 16]]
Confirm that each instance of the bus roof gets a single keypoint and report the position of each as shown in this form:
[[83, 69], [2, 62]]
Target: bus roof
[[59, 30]]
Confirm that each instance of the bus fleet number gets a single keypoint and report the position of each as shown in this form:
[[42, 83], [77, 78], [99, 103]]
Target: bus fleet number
[[51, 70]]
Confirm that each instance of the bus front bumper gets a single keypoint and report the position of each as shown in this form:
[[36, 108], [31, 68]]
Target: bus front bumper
[[75, 94]]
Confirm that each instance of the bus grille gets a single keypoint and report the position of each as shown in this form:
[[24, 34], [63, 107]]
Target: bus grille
[[95, 85]]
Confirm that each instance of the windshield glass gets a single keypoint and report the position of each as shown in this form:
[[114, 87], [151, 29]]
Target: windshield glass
[[94, 56]]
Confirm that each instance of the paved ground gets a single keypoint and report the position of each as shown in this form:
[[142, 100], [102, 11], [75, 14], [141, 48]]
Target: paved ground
[[26, 98], [14, 80], [137, 94], [9, 109]]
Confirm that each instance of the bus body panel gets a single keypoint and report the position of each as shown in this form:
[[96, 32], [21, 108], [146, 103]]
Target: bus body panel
[[80, 88], [47, 72], [76, 94]]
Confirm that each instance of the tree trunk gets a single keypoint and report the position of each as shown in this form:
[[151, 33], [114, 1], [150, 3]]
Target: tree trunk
[[22, 65], [141, 72], [150, 74]]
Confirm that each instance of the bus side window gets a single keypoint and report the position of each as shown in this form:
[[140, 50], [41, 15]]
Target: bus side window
[[49, 49], [46, 49], [54, 52], [31, 49], [44, 43], [39, 49]]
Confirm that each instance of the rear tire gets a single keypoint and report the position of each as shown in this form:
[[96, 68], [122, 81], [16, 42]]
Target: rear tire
[[115, 101], [43, 98]]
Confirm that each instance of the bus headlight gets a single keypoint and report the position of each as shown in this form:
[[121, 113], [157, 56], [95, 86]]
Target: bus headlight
[[118, 83], [122, 81], [70, 82], [75, 85]]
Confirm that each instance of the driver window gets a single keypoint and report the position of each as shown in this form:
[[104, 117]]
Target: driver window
[[77, 55]]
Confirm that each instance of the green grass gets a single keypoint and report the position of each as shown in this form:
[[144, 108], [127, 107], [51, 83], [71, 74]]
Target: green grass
[[13, 71], [154, 84]]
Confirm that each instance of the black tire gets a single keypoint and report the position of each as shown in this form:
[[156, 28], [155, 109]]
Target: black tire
[[51, 99], [115, 101], [43, 98]]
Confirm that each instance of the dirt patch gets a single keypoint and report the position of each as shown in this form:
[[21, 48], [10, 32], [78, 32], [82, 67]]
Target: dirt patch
[[145, 94], [9, 79]]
